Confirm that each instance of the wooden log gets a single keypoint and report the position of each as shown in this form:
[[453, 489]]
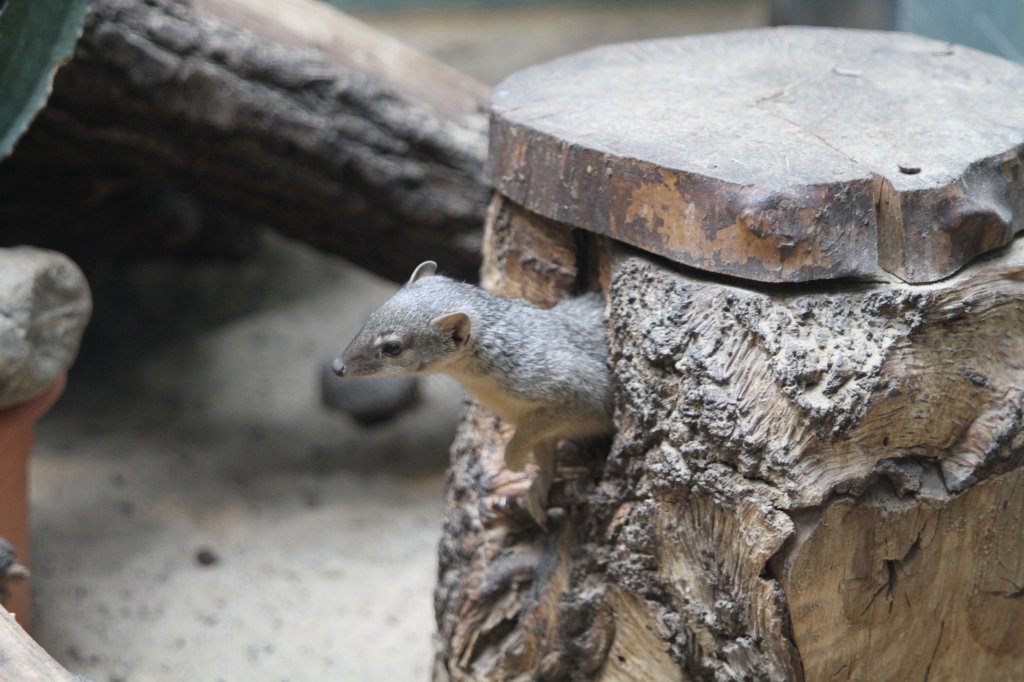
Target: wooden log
[[778, 155], [799, 475], [25, 661], [528, 257], [184, 117]]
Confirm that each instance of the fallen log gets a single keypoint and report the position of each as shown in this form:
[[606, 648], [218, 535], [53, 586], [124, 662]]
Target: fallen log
[[181, 121]]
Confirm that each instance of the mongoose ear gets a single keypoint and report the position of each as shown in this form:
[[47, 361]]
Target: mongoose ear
[[454, 324], [424, 269]]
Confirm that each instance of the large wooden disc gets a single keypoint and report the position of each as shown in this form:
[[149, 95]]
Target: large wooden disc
[[779, 155]]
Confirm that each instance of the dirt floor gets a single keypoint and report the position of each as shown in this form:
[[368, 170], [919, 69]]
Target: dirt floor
[[197, 515]]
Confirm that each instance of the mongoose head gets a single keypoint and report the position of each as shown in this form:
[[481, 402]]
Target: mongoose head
[[419, 330]]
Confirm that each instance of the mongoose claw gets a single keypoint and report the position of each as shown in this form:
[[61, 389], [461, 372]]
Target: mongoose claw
[[493, 509], [537, 512], [514, 509], [535, 500]]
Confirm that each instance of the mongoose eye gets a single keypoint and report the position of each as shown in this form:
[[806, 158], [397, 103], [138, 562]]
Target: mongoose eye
[[391, 349]]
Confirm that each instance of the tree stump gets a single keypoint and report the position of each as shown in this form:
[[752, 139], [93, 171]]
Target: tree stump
[[816, 475]]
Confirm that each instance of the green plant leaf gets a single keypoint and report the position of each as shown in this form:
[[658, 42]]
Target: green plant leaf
[[36, 37]]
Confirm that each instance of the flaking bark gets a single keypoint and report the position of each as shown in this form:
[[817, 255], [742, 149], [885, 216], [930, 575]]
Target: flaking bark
[[799, 474]]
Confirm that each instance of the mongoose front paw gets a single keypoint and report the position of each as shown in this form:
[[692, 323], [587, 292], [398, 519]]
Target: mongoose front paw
[[525, 507], [497, 508]]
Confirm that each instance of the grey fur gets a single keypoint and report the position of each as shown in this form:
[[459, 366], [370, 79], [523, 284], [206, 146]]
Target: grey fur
[[543, 370]]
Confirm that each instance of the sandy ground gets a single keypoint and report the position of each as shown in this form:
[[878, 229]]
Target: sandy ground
[[191, 428], [180, 434]]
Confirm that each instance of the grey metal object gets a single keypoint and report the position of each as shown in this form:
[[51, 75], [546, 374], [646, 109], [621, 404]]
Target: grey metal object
[[367, 400]]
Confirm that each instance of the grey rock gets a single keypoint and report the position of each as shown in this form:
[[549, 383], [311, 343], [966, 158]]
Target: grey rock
[[44, 306], [368, 400]]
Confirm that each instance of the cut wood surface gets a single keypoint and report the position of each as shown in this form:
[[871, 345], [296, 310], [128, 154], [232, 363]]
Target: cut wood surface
[[806, 484], [211, 113], [778, 155]]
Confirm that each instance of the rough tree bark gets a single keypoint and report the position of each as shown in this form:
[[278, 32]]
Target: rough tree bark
[[179, 118], [805, 483], [808, 482]]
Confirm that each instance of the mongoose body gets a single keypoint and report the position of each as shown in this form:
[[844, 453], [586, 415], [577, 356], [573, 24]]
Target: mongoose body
[[543, 370]]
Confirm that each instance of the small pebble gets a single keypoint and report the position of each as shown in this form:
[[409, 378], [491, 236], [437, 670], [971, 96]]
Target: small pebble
[[206, 557]]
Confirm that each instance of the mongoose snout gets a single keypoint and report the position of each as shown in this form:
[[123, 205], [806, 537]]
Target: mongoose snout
[[543, 370], [338, 365]]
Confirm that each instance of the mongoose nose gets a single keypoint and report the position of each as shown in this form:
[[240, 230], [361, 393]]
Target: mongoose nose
[[338, 366]]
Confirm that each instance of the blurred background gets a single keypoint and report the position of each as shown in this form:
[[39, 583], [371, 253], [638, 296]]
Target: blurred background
[[198, 512], [465, 33]]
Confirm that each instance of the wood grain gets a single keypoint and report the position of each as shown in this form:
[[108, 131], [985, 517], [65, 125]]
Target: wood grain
[[937, 578], [526, 256]]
